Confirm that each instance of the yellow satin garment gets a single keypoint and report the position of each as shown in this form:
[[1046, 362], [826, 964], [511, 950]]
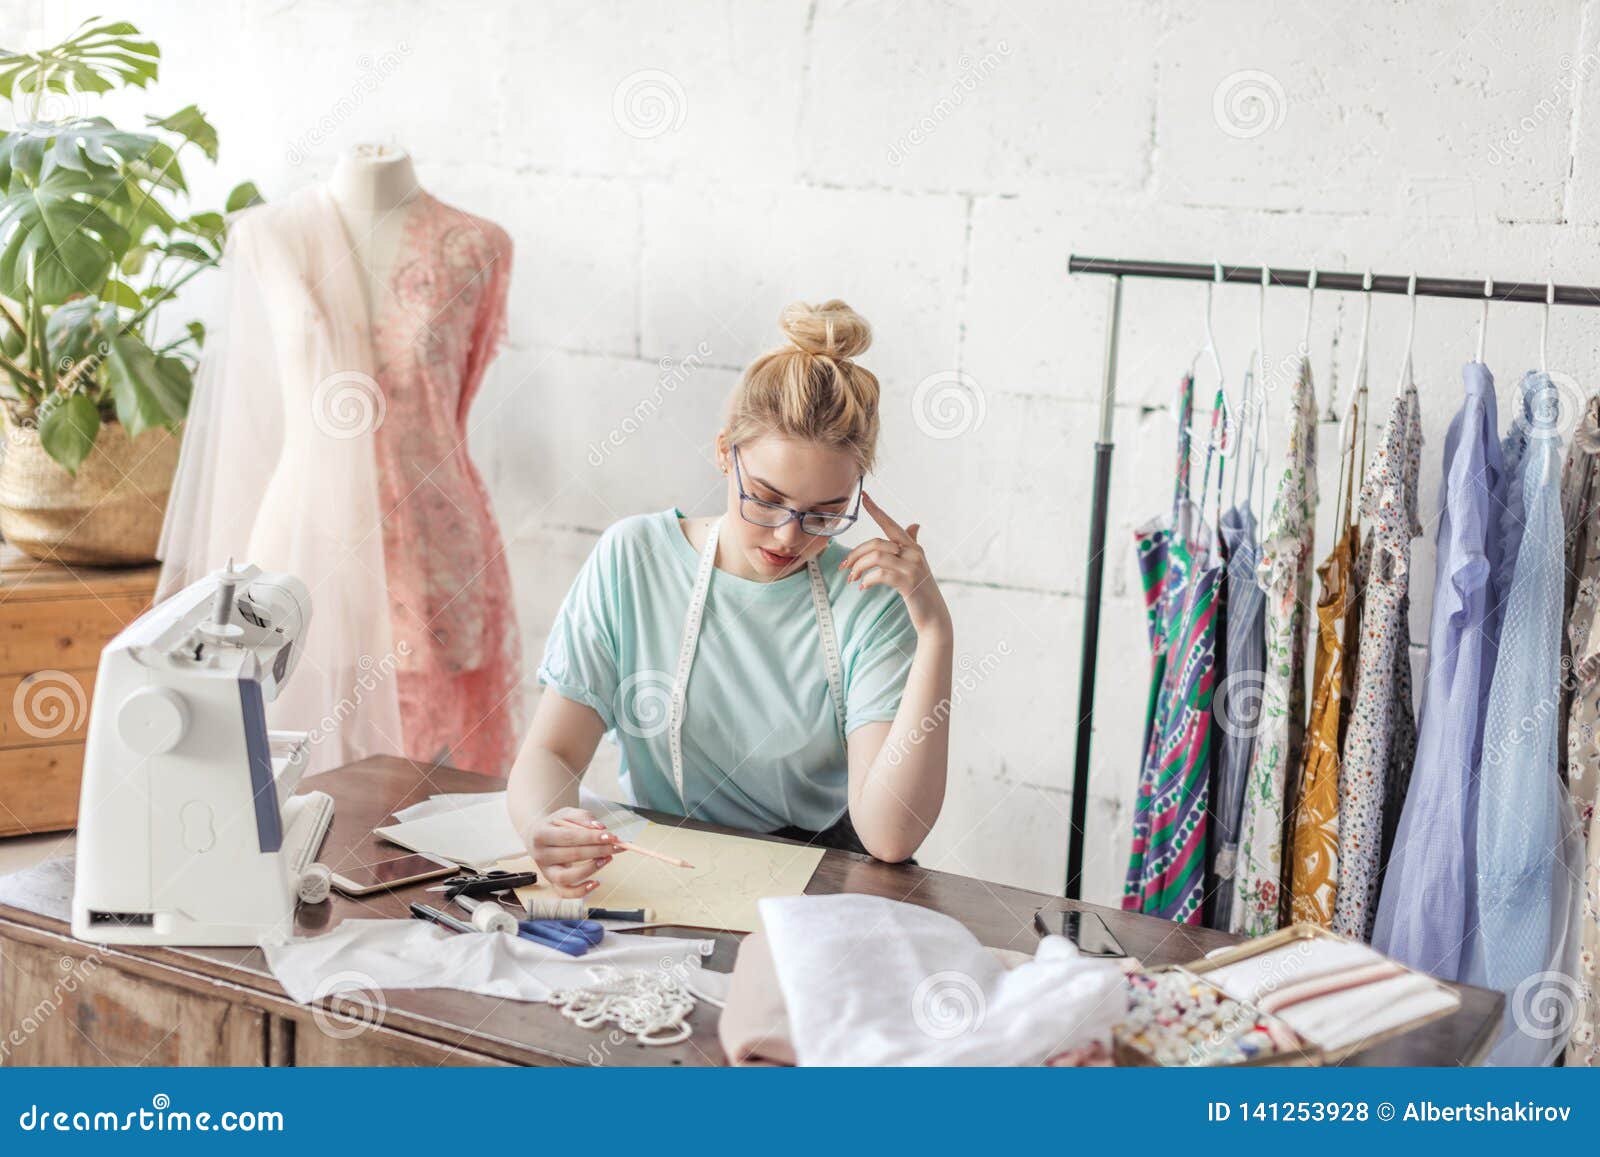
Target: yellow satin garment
[[1314, 864]]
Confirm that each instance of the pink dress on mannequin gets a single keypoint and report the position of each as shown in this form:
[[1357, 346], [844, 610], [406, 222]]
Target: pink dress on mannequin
[[333, 445], [449, 588]]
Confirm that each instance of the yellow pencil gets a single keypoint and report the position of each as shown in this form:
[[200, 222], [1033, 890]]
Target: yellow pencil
[[627, 847]]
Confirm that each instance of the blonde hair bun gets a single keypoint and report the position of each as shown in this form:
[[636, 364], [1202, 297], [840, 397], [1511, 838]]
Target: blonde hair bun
[[811, 388], [829, 330]]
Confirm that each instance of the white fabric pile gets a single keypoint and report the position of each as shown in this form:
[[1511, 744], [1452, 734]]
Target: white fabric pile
[[869, 981], [374, 954]]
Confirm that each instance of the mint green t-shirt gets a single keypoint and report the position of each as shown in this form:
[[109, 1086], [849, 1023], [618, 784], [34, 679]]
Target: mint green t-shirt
[[761, 745]]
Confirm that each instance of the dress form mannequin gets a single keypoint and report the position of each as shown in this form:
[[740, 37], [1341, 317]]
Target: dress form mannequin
[[372, 187], [329, 440]]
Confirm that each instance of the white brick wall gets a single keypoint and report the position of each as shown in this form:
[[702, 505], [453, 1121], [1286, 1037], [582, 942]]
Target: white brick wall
[[934, 163]]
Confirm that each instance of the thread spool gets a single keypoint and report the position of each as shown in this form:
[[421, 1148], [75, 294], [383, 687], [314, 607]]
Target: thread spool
[[490, 917], [556, 908], [315, 884]]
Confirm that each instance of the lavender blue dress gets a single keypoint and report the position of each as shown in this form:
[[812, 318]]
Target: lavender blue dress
[[1426, 897], [1523, 918]]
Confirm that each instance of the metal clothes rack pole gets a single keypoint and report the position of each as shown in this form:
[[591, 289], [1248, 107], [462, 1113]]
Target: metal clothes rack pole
[[1461, 288]]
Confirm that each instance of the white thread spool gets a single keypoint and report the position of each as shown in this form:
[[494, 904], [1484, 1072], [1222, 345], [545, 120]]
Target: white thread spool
[[554, 908], [315, 884], [490, 917]]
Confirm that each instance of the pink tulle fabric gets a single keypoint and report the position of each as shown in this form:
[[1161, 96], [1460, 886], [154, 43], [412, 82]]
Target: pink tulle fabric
[[450, 595]]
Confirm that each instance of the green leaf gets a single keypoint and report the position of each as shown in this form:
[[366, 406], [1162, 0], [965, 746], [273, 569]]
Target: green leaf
[[148, 390], [210, 226], [197, 332], [174, 387], [190, 124], [133, 260], [187, 251], [78, 329], [243, 196], [121, 293], [91, 143], [60, 223], [97, 57], [68, 426]]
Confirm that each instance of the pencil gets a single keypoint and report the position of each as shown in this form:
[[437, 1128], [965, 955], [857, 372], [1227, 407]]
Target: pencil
[[627, 847]]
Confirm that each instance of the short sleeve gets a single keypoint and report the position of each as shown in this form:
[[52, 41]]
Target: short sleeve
[[875, 672], [580, 656]]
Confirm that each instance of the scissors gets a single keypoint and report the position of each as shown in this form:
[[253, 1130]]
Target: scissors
[[574, 937], [484, 883]]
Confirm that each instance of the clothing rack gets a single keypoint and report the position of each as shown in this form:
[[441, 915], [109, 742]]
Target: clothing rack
[[1460, 288]]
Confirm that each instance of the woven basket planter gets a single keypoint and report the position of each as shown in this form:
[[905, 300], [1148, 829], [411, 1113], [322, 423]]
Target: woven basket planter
[[108, 514]]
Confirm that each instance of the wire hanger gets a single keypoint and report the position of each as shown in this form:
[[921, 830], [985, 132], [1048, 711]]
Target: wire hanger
[[1311, 298], [1483, 318], [1544, 327], [1218, 443], [1251, 401], [1411, 333], [1352, 467], [1358, 395]]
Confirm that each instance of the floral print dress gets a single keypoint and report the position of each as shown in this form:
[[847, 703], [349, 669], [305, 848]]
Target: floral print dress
[[1285, 575], [1580, 504], [1381, 740]]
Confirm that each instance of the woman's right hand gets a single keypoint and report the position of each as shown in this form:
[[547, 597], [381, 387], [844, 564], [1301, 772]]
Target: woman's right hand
[[569, 846]]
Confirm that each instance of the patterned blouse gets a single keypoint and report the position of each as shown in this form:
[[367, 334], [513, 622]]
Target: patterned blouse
[[1580, 684], [1285, 574], [1381, 740]]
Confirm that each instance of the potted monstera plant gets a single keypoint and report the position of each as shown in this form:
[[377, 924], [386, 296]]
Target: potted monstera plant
[[97, 236]]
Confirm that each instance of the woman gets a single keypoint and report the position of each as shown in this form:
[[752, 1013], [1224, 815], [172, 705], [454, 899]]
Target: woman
[[820, 681]]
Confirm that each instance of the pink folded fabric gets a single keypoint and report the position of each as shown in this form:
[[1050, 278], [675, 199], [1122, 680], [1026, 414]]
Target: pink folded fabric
[[754, 1028]]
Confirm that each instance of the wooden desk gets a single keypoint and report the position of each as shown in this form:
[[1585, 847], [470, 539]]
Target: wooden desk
[[54, 620], [166, 1006]]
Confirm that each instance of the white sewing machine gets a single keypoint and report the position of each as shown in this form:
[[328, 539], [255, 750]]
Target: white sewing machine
[[187, 833]]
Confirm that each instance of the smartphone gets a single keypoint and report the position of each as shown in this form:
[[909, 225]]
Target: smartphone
[[1084, 929], [407, 869]]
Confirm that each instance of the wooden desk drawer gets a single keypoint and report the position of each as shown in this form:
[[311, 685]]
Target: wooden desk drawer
[[39, 788], [62, 634], [50, 706], [72, 1008]]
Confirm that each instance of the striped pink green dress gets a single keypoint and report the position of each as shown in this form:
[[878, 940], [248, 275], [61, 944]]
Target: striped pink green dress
[[1166, 868]]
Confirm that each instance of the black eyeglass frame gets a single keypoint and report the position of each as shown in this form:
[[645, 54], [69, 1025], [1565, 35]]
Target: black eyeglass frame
[[793, 515]]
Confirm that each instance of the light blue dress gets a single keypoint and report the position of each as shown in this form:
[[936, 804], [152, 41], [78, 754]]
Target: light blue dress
[[761, 742], [1423, 908], [1521, 929]]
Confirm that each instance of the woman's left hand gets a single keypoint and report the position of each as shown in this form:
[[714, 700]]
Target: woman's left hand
[[897, 561]]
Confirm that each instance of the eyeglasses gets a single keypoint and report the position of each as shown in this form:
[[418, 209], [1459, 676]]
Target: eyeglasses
[[818, 523]]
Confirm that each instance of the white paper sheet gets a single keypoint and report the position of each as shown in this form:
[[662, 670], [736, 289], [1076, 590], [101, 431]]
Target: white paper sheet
[[477, 836]]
